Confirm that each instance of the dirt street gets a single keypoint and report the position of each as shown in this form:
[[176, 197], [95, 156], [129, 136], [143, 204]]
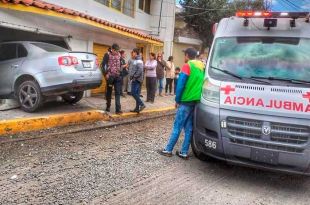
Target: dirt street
[[119, 165]]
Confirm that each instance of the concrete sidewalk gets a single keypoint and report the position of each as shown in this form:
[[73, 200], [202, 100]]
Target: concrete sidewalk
[[56, 114], [86, 104]]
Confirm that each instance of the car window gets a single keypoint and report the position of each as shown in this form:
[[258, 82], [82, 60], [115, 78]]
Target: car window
[[8, 51], [21, 52], [49, 47]]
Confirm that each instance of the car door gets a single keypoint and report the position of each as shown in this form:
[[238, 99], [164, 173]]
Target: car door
[[12, 56]]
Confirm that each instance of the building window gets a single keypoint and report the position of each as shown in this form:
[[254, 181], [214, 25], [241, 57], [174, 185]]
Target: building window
[[127, 7], [116, 4], [104, 2], [145, 5]]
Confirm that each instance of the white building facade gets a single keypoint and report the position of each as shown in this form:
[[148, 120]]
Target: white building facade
[[91, 25]]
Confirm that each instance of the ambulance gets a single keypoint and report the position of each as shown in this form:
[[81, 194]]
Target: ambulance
[[255, 105]]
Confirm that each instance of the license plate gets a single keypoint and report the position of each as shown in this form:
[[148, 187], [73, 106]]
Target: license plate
[[265, 156], [86, 64], [210, 144]]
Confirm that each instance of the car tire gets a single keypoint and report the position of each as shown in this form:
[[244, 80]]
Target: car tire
[[73, 97], [29, 96], [201, 156]]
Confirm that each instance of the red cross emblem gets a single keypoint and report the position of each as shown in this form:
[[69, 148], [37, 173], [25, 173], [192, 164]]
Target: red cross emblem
[[307, 96], [228, 89]]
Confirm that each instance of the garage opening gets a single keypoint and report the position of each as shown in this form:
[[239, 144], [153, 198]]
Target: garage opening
[[9, 34]]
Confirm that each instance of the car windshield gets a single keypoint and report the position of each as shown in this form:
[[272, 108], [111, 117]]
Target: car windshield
[[262, 57], [49, 47]]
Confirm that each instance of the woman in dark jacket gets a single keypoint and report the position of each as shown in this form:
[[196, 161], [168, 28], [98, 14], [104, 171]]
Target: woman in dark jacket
[[160, 73]]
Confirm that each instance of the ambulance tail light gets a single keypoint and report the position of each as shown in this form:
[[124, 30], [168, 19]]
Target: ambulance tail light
[[214, 28], [211, 92]]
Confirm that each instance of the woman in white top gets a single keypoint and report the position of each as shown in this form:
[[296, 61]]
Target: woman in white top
[[169, 75], [151, 77]]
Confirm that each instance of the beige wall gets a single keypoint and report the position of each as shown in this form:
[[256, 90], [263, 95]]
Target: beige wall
[[178, 54]]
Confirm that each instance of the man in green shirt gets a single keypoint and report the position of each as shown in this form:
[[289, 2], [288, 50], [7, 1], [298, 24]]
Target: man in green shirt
[[188, 94]]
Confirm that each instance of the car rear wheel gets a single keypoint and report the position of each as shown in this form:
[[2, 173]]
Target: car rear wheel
[[73, 97], [29, 96], [201, 156]]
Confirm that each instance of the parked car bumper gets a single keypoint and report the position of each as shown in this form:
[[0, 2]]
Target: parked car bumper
[[56, 82], [75, 86]]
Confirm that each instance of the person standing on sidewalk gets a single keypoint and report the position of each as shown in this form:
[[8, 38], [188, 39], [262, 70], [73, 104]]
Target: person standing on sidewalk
[[176, 77], [150, 68], [124, 72], [160, 73], [188, 94], [114, 79], [136, 76], [169, 75]]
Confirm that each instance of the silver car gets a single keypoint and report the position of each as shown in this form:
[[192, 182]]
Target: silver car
[[33, 71]]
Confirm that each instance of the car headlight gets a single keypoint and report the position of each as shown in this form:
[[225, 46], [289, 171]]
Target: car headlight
[[211, 92]]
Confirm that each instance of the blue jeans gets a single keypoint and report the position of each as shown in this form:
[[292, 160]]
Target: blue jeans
[[183, 120], [135, 92], [160, 82]]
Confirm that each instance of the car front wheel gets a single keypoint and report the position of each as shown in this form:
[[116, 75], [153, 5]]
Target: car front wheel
[[73, 97], [29, 96]]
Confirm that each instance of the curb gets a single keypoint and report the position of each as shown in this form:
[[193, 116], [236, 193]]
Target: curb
[[9, 127]]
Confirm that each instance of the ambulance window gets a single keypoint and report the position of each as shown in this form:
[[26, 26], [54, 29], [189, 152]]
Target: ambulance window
[[276, 57]]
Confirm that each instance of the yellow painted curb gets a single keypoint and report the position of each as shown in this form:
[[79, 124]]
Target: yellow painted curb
[[40, 123], [15, 126]]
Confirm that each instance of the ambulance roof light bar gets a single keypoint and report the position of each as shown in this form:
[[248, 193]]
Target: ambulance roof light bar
[[268, 14]]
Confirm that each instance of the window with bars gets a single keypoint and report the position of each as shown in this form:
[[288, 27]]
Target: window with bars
[[127, 7], [145, 5]]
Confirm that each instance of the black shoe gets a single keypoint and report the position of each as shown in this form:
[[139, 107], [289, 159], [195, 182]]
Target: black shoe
[[128, 93], [164, 153], [142, 108], [181, 155], [135, 111], [119, 112], [141, 96], [107, 109]]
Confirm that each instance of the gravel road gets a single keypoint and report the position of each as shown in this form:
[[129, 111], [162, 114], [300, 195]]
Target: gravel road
[[119, 165]]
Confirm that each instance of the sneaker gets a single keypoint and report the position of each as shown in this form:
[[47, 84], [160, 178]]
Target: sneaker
[[181, 155], [142, 108], [119, 112], [135, 111], [164, 153]]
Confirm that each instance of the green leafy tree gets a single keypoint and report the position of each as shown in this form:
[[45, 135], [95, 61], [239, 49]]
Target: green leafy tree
[[201, 15]]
